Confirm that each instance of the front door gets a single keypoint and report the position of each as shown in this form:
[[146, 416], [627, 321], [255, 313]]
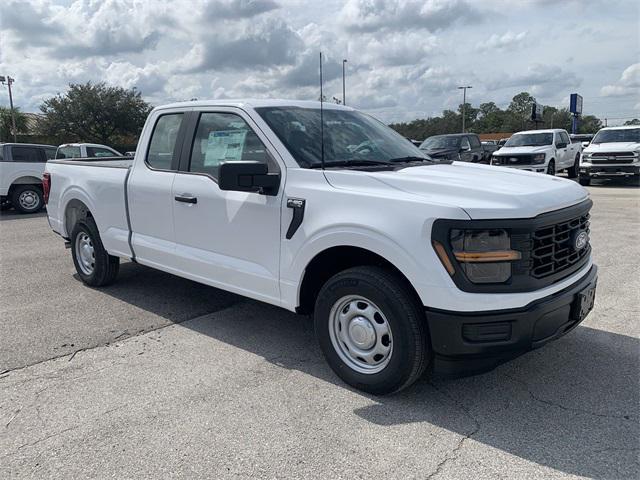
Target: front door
[[226, 239]]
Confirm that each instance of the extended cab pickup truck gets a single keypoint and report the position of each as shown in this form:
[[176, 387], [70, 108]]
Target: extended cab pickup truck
[[543, 151], [405, 263]]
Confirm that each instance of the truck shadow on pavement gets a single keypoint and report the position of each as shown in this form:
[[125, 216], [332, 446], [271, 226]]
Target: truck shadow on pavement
[[571, 405], [14, 215]]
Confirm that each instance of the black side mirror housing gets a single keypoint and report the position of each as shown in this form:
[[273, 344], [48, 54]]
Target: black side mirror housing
[[561, 145], [248, 177]]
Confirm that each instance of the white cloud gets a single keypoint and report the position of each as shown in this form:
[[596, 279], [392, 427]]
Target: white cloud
[[628, 84], [507, 41]]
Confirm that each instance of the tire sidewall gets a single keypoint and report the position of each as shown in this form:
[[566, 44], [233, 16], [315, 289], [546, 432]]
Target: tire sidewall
[[552, 164], [101, 257], [395, 374], [19, 191]]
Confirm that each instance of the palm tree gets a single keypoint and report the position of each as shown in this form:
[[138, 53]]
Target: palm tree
[[6, 123]]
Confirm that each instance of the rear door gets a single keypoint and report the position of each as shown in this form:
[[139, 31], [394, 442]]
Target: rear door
[[149, 190], [224, 238], [563, 153]]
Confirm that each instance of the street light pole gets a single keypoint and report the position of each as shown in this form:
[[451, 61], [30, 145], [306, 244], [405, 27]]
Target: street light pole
[[344, 101], [464, 103], [9, 81]]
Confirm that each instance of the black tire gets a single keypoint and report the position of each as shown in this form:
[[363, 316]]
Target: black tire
[[105, 267], [585, 181], [573, 172], [27, 198], [551, 168], [392, 295]]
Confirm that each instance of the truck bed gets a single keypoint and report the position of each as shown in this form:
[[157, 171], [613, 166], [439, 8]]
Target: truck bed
[[108, 162]]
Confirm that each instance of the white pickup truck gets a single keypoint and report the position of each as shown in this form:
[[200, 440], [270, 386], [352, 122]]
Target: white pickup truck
[[614, 152], [405, 263], [543, 151]]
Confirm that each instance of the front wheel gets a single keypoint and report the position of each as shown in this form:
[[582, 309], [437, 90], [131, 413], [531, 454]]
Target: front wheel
[[585, 181], [372, 329], [94, 265], [572, 172], [27, 198], [551, 168]]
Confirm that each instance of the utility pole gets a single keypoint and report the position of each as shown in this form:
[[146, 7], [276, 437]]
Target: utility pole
[[344, 101], [9, 81], [464, 103]]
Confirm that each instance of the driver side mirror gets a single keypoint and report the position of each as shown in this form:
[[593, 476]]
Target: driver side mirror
[[465, 149], [561, 145], [248, 177]]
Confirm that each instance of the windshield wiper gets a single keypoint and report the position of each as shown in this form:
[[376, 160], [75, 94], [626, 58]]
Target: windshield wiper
[[352, 163], [410, 159]]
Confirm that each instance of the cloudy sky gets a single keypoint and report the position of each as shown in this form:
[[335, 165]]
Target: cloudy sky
[[405, 57]]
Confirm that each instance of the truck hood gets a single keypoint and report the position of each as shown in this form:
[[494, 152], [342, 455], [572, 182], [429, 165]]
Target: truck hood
[[482, 191], [517, 150], [612, 147]]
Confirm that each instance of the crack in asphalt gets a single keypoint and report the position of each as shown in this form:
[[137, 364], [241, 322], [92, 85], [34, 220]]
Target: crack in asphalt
[[551, 403], [6, 373], [455, 451]]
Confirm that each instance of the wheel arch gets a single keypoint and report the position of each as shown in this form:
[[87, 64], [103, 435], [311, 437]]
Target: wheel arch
[[25, 180], [75, 210], [333, 260]]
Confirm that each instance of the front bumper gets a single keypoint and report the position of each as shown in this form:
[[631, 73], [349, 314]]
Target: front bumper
[[529, 168], [601, 171], [468, 343]]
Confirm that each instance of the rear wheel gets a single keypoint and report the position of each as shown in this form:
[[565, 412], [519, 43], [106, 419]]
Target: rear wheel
[[372, 329], [94, 265], [573, 172], [27, 198], [551, 168]]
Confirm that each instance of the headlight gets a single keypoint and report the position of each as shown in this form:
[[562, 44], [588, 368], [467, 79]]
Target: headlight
[[484, 256], [537, 159], [495, 160]]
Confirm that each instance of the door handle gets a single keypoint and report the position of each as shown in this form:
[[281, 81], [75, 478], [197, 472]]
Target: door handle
[[186, 199]]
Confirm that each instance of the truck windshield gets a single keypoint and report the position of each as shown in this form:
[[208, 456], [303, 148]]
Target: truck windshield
[[441, 141], [351, 138], [529, 140], [619, 135]]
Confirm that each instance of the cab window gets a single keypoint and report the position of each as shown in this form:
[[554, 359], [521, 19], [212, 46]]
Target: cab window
[[162, 147], [27, 154], [100, 152], [68, 152], [223, 137]]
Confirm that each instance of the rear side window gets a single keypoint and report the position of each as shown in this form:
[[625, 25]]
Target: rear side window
[[475, 141], [50, 153], [223, 137], [100, 152], [27, 154], [162, 147], [68, 152]]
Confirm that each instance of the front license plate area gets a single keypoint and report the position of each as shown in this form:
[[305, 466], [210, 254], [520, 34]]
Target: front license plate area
[[583, 303]]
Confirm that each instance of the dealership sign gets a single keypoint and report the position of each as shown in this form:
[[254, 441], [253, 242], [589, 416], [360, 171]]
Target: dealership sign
[[575, 104]]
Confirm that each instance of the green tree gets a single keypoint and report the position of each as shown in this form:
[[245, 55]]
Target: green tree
[[591, 124], [519, 111], [635, 121], [6, 123], [95, 113]]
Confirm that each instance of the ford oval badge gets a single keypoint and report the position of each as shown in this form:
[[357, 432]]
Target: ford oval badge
[[581, 241]]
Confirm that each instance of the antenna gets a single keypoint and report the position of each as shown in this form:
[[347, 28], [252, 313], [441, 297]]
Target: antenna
[[321, 118]]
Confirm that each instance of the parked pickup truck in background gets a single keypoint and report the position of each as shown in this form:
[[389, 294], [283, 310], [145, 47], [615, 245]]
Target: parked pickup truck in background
[[543, 151], [613, 152], [465, 147], [404, 262], [85, 150], [21, 168]]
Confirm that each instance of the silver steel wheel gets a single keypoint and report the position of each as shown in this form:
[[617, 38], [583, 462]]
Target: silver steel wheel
[[360, 334], [85, 253], [29, 200]]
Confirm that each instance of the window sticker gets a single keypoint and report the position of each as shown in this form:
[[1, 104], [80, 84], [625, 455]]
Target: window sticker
[[224, 145]]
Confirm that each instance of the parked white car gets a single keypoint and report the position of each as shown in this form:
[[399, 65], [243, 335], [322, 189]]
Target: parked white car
[[542, 151], [405, 262], [613, 152], [21, 168], [85, 150]]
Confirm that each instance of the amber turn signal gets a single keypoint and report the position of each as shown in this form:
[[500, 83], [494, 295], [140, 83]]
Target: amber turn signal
[[495, 256], [444, 258]]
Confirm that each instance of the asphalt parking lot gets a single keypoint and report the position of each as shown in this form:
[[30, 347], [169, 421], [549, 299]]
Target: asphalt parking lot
[[157, 376]]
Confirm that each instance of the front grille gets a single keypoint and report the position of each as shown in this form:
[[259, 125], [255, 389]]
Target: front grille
[[512, 160], [611, 160], [613, 154], [553, 247]]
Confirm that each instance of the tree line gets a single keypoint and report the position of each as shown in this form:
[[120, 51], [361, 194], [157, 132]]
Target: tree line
[[99, 113], [489, 118]]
